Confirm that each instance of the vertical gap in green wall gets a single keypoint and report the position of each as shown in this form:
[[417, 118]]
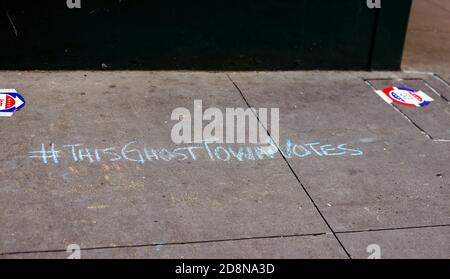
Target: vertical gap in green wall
[[376, 21]]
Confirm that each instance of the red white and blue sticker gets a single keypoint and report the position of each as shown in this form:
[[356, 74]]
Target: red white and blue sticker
[[10, 102], [405, 97]]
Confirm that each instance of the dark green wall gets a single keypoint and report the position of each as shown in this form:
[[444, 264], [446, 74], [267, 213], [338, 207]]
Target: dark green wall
[[203, 35]]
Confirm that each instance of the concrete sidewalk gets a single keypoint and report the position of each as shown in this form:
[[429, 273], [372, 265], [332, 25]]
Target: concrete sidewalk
[[427, 45], [367, 173]]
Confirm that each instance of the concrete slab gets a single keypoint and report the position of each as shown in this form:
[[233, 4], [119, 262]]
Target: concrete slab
[[413, 243], [432, 119], [112, 199], [441, 84], [322, 246], [427, 46], [446, 78], [400, 177], [116, 181]]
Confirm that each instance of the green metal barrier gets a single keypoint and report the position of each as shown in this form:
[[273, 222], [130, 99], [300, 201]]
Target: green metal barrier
[[203, 35]]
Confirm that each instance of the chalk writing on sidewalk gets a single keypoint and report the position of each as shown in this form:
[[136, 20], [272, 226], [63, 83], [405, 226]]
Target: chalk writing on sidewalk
[[139, 153]]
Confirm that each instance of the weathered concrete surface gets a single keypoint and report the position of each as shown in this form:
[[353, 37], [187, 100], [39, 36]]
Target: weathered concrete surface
[[427, 46], [447, 79], [433, 119], [403, 177], [123, 202], [392, 176], [421, 243], [322, 246]]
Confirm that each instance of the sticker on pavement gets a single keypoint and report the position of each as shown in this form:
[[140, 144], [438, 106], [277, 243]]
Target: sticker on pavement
[[10, 102], [405, 97]]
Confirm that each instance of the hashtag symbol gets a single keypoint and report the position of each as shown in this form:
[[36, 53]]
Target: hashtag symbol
[[45, 155]]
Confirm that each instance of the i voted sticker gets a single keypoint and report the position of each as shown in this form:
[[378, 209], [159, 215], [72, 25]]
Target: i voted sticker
[[10, 102], [405, 96]]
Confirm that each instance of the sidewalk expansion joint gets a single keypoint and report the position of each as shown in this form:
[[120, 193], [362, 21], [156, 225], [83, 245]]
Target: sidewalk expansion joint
[[394, 229], [292, 171], [441, 79], [167, 243], [430, 137]]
